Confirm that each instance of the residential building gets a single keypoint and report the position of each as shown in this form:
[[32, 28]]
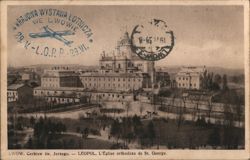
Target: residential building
[[190, 77], [19, 92], [56, 77]]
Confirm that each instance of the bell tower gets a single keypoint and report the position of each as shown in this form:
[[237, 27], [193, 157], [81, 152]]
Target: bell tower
[[124, 46]]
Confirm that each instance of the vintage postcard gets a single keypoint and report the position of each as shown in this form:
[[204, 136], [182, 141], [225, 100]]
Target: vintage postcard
[[124, 80]]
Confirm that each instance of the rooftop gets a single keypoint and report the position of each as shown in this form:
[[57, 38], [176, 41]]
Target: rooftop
[[77, 89], [60, 88], [192, 71], [114, 74], [15, 86], [59, 73]]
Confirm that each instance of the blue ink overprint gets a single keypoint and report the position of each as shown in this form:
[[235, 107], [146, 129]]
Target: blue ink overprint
[[54, 24], [53, 34]]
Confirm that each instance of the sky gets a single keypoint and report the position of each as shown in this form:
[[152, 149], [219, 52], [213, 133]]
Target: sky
[[204, 35]]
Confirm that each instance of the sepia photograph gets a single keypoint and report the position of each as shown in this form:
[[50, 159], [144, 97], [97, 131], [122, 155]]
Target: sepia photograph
[[126, 77]]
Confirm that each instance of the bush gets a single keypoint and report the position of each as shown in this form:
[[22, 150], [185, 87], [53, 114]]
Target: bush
[[95, 132], [214, 138], [111, 110]]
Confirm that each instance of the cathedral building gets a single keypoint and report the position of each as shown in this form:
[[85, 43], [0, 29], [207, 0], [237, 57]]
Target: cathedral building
[[121, 70], [120, 74]]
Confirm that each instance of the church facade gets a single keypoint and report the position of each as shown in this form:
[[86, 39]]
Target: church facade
[[120, 74]]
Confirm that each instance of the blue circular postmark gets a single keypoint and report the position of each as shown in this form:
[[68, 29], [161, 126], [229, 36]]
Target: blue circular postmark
[[152, 41], [53, 32]]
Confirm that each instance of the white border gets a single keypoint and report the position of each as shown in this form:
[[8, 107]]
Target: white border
[[171, 154]]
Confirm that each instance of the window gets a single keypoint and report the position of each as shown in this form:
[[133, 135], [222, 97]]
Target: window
[[179, 78], [186, 78], [183, 78], [183, 84]]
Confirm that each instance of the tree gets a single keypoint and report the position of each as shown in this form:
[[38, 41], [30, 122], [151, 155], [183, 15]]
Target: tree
[[204, 80], [192, 136], [137, 124], [115, 130], [58, 127], [228, 115], [78, 129], [127, 129], [217, 79], [224, 83], [239, 111], [209, 81], [86, 132], [181, 112], [32, 121], [151, 132], [127, 107], [30, 143], [196, 109], [141, 108], [214, 138], [210, 107], [38, 127]]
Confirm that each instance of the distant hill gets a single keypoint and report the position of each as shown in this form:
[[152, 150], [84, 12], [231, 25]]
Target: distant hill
[[227, 71], [48, 66], [172, 70], [216, 70]]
